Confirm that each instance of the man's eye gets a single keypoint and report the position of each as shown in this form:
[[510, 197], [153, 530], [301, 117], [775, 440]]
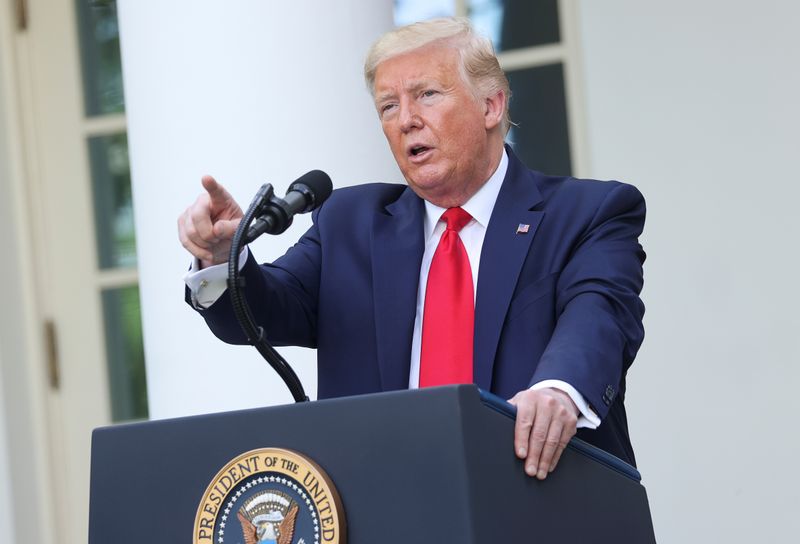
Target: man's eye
[[428, 93], [386, 108]]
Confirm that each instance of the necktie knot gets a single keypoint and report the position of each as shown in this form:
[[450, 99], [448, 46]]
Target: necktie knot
[[456, 218]]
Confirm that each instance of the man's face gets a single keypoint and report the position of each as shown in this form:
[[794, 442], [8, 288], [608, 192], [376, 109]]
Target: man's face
[[440, 134]]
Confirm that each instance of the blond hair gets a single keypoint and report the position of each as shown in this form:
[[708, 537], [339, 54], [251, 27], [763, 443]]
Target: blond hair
[[478, 64]]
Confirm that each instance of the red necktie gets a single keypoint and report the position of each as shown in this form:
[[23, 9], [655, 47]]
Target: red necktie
[[449, 313]]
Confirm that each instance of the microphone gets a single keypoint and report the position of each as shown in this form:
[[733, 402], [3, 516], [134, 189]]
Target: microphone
[[305, 194]]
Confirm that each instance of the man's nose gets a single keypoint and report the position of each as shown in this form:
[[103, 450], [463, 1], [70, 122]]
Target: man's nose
[[409, 117]]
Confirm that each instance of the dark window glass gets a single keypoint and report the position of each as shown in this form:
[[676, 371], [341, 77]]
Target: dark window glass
[[539, 108], [100, 59], [113, 203], [514, 24], [125, 354]]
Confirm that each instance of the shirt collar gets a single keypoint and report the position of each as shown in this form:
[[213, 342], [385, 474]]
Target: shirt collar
[[479, 206]]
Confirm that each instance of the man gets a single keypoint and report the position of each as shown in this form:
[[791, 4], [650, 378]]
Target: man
[[480, 270]]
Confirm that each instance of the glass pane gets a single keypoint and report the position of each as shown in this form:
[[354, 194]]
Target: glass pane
[[113, 203], [125, 353], [513, 24], [411, 11], [100, 60], [539, 108]]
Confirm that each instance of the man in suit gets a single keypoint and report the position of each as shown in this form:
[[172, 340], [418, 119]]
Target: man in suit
[[479, 270]]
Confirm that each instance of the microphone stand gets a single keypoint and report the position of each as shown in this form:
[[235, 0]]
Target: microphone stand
[[255, 333]]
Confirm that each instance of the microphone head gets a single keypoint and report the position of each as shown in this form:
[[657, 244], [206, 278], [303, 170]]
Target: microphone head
[[316, 186]]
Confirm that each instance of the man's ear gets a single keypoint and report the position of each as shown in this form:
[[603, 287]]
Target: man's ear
[[494, 109]]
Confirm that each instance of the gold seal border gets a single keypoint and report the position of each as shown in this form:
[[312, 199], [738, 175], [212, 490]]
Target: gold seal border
[[327, 496]]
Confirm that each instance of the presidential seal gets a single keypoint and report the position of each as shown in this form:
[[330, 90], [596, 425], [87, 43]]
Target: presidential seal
[[270, 496]]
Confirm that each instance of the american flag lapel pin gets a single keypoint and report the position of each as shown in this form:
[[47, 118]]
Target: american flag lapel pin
[[523, 228]]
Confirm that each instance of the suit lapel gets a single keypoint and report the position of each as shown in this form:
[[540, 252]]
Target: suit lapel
[[397, 247], [503, 254]]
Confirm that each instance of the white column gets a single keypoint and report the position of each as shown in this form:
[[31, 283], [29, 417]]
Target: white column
[[250, 92]]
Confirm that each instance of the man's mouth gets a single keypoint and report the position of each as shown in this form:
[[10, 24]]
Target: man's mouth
[[419, 150]]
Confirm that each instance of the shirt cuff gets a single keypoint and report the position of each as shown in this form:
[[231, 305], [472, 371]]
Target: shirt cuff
[[206, 285], [587, 419]]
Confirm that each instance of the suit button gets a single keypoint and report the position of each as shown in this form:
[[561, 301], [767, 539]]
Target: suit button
[[608, 395]]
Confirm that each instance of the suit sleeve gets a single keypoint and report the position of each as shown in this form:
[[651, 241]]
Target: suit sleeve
[[599, 313], [283, 297]]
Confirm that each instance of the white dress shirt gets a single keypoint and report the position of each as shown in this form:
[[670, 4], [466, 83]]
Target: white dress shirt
[[207, 285]]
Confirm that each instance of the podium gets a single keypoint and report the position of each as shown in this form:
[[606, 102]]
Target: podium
[[422, 466]]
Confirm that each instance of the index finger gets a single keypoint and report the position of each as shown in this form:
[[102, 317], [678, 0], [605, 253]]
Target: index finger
[[215, 190]]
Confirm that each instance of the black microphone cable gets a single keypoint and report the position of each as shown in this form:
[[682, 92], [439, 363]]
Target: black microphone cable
[[256, 337]]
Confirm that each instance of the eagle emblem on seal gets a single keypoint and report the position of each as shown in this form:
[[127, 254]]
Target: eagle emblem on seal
[[268, 518]]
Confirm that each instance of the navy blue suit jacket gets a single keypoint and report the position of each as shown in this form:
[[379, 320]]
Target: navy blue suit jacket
[[558, 302]]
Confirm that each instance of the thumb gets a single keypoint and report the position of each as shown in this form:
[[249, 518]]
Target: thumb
[[224, 229]]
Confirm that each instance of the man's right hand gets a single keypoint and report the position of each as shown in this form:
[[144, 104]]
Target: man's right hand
[[207, 227]]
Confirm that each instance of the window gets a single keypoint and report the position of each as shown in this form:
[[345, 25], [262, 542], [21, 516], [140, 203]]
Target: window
[[107, 147]]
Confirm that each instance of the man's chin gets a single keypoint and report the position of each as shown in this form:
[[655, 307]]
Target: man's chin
[[426, 185], [439, 193]]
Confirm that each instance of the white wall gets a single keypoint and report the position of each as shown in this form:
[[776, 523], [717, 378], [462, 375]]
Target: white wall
[[6, 508], [8, 308], [6, 511], [697, 104], [247, 91], [24, 474]]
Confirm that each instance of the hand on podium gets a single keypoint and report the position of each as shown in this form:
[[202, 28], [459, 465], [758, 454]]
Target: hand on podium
[[546, 421]]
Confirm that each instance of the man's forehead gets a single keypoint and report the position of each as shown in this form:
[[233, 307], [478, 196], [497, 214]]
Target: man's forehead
[[416, 68]]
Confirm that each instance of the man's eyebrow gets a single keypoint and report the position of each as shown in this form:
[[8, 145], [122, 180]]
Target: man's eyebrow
[[386, 95], [411, 86], [419, 84]]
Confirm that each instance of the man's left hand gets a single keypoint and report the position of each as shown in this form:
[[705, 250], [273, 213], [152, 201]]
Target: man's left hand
[[546, 420]]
